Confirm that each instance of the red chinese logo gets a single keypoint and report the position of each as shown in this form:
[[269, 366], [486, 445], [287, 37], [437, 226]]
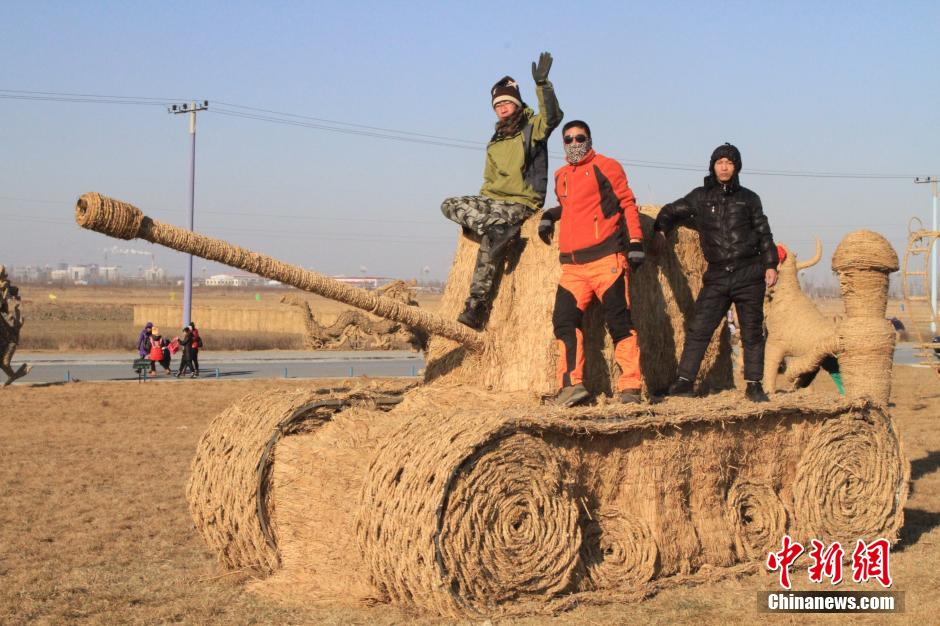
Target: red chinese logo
[[784, 559], [826, 563], [872, 561]]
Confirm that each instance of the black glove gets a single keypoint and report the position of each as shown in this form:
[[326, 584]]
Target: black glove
[[540, 73], [547, 227], [635, 255]]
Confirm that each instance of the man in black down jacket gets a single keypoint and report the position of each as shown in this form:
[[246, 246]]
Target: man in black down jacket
[[742, 262]]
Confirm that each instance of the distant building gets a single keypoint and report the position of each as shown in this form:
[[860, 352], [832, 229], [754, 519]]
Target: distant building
[[155, 274], [226, 280], [78, 272], [29, 273], [109, 273], [363, 282], [59, 275]]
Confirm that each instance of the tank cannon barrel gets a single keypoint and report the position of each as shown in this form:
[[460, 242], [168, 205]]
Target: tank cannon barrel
[[125, 221]]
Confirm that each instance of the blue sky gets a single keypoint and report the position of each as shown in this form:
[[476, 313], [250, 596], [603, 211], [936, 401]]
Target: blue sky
[[811, 87]]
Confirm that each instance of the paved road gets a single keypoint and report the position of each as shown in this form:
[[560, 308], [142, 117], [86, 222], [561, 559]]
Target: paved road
[[50, 367]]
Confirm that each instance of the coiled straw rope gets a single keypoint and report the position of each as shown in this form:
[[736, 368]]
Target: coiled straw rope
[[619, 550], [229, 490], [510, 527], [120, 219], [758, 517], [849, 484], [107, 215]]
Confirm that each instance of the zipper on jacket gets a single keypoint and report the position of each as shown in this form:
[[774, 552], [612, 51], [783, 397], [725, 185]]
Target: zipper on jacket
[[597, 235]]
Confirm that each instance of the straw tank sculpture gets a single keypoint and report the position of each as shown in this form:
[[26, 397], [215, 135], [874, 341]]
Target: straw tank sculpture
[[465, 496]]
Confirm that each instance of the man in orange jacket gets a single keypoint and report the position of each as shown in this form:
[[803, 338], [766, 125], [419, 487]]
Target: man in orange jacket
[[600, 243]]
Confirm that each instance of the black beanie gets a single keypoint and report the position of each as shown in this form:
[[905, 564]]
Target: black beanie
[[726, 151], [506, 90]]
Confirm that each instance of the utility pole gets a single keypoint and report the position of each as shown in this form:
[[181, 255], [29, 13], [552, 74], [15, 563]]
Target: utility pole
[[933, 252], [192, 108]]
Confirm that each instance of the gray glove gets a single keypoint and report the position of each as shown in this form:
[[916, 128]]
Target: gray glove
[[635, 255], [540, 73]]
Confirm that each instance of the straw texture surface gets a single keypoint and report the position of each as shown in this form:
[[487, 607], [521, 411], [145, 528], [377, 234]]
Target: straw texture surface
[[796, 330], [863, 261], [229, 491], [470, 512]]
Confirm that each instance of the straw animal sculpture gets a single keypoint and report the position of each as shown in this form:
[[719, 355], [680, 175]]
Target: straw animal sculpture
[[795, 327], [863, 260], [354, 330]]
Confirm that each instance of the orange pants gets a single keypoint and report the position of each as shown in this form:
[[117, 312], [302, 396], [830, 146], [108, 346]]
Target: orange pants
[[605, 278]]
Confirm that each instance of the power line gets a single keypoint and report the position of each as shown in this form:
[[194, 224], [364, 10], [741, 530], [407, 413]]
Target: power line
[[327, 121], [376, 132]]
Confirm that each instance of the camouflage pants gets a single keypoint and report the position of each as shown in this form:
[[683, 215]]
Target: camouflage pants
[[479, 214], [7, 348], [9, 337]]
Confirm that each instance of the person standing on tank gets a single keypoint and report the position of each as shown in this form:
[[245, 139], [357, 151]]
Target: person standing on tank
[[742, 263]]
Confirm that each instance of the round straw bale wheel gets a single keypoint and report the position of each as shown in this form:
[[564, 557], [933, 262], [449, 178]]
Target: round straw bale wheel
[[230, 491], [461, 520], [758, 517], [618, 551], [851, 481]]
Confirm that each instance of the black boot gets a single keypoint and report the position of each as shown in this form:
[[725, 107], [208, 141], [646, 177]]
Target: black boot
[[681, 388], [755, 392], [474, 314], [500, 236]]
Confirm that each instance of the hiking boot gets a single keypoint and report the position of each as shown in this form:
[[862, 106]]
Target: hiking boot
[[681, 388], [571, 395], [755, 392], [630, 396], [474, 314], [500, 236]]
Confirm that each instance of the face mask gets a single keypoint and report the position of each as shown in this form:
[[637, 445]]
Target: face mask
[[575, 151]]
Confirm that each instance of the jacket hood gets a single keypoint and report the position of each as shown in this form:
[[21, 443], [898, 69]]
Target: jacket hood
[[725, 151]]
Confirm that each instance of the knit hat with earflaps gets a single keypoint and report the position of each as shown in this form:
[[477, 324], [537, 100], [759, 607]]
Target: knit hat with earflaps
[[506, 90]]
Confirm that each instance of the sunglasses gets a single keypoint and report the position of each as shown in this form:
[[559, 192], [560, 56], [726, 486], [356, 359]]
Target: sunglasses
[[578, 138]]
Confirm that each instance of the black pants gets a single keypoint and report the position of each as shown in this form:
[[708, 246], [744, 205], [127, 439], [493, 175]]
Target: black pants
[[186, 362], [194, 360], [744, 287]]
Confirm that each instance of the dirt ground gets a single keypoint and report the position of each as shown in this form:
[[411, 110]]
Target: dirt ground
[[94, 526]]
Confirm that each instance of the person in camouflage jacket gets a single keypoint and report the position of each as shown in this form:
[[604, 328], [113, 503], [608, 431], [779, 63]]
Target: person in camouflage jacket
[[515, 179]]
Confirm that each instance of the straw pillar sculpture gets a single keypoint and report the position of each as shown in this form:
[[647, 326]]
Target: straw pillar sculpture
[[863, 261]]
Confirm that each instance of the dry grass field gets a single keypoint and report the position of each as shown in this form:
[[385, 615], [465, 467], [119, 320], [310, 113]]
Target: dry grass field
[[94, 527], [101, 319]]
